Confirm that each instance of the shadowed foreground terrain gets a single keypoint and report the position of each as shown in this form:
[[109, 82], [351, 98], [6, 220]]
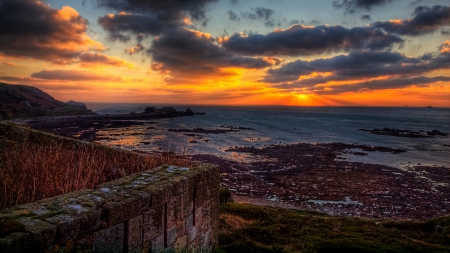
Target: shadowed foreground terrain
[[248, 228]]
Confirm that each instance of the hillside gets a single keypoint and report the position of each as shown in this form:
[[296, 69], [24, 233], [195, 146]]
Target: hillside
[[256, 229], [27, 101]]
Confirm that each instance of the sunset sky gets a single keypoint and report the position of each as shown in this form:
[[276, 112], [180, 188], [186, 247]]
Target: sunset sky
[[230, 52]]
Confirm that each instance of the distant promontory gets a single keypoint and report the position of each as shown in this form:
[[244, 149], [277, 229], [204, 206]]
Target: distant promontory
[[27, 101]]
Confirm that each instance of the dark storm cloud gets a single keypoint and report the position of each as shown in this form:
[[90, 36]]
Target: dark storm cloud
[[359, 65], [171, 9], [119, 26], [150, 17], [296, 22], [395, 69], [366, 17], [425, 20], [352, 6], [392, 83], [306, 40], [344, 67], [232, 15], [30, 28], [189, 52], [416, 2], [260, 13]]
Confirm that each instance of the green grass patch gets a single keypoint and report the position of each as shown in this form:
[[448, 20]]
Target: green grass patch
[[281, 230]]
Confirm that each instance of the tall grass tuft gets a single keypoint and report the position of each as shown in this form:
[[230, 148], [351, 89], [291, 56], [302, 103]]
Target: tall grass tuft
[[30, 171]]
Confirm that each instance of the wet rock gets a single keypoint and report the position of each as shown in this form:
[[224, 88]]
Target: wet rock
[[78, 105], [405, 132]]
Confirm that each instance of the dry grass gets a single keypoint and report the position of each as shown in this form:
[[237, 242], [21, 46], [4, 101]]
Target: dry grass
[[30, 172], [248, 228], [234, 221]]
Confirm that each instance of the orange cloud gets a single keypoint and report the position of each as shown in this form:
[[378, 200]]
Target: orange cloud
[[98, 60], [34, 29], [74, 75], [445, 48], [12, 64]]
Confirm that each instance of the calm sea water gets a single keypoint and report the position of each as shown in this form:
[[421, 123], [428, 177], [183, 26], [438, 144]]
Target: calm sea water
[[283, 125]]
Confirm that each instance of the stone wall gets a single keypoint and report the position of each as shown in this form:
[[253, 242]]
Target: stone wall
[[167, 209]]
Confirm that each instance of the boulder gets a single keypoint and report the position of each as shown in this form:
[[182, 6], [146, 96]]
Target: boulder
[[189, 112], [150, 110], [78, 105]]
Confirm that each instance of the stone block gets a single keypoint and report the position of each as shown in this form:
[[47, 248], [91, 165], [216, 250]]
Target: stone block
[[169, 250], [158, 244], [173, 211], [206, 209], [42, 233], [187, 204], [190, 222], [181, 228], [180, 244], [112, 213], [175, 188], [115, 212], [145, 198], [183, 184], [139, 249], [109, 240], [192, 183], [203, 225], [159, 196], [133, 232], [67, 227], [201, 194], [198, 216], [172, 235], [131, 207], [206, 239], [153, 223], [84, 244], [16, 242], [192, 234], [90, 221]]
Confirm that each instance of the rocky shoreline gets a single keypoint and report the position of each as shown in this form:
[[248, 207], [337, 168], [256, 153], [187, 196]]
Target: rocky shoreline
[[406, 133], [314, 177], [86, 127]]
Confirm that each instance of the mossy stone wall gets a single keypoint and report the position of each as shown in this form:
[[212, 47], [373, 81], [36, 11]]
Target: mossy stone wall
[[166, 209]]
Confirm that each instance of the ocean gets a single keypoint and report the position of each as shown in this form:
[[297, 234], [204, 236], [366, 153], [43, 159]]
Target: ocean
[[279, 125]]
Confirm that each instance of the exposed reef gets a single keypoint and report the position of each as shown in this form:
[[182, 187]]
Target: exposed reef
[[315, 177], [86, 127], [406, 133], [221, 130]]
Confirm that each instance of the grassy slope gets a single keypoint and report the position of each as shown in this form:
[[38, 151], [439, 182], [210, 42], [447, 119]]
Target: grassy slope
[[247, 228], [13, 98]]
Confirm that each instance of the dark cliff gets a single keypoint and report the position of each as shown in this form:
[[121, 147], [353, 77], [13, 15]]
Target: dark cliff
[[27, 101]]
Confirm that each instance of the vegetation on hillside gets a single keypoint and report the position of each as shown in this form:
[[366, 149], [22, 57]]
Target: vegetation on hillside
[[251, 229], [31, 171], [28, 101]]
